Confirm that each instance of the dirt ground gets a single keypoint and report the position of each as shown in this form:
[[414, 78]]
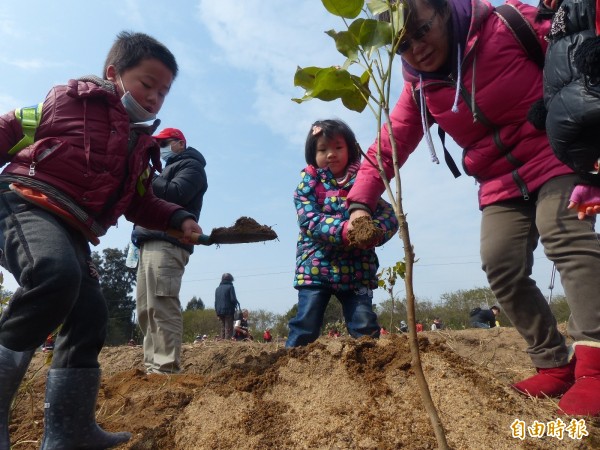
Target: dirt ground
[[334, 394]]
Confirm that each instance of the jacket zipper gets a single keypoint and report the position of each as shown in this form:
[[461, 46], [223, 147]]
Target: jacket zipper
[[43, 154], [521, 184]]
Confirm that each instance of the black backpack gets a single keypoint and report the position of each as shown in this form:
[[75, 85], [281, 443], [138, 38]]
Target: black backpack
[[474, 311]]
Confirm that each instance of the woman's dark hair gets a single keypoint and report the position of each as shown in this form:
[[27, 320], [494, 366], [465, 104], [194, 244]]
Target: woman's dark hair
[[129, 49], [227, 277], [329, 129]]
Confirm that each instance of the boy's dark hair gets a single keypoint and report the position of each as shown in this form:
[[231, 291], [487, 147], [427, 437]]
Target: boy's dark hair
[[129, 49], [329, 129]]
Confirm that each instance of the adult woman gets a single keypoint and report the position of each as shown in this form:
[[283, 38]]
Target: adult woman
[[524, 190]]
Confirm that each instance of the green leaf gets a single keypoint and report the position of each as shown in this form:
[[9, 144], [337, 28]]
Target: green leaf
[[354, 28], [365, 77], [374, 34], [305, 77], [348, 63], [378, 6], [335, 83], [398, 19], [346, 43], [349, 9], [332, 83], [305, 98], [357, 100], [354, 101]]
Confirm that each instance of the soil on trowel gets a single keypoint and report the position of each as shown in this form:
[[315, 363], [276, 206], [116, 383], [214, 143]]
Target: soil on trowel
[[364, 232], [245, 229]]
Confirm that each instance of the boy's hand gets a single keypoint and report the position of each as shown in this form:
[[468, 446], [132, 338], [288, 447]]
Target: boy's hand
[[188, 227], [586, 199]]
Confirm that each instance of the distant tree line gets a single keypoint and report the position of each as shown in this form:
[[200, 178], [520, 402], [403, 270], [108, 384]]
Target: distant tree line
[[453, 309], [118, 283]]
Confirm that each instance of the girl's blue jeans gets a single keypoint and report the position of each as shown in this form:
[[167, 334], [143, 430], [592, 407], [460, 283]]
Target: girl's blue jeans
[[58, 285], [357, 306]]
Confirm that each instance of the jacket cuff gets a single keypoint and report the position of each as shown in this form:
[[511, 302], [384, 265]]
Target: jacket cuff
[[178, 217], [355, 206]]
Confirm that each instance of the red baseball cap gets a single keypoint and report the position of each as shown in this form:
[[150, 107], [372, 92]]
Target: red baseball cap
[[170, 133]]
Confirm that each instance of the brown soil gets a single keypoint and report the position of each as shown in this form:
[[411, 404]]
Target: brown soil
[[245, 229], [364, 232], [334, 394]]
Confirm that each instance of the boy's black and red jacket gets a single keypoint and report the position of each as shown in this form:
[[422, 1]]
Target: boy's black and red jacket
[[87, 158]]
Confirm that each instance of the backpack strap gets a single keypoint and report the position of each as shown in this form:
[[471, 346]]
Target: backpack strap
[[30, 118], [442, 134], [523, 32], [597, 18]]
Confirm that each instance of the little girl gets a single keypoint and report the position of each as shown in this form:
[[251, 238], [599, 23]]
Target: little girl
[[326, 264]]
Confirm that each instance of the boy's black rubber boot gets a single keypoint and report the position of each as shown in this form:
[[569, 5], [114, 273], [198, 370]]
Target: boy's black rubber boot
[[70, 412], [13, 366]]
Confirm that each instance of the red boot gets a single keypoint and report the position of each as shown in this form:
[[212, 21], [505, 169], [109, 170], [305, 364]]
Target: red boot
[[551, 382], [583, 399]]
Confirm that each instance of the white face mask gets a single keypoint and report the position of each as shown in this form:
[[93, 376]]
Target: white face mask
[[135, 111], [166, 153]]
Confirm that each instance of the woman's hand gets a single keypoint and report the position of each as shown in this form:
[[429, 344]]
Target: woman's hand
[[551, 4], [363, 245], [355, 215], [586, 199]]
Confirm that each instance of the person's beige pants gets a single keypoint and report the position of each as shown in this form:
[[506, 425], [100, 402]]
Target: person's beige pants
[[160, 270]]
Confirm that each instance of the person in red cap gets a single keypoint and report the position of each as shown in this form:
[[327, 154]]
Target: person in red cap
[[267, 337], [163, 258], [169, 134]]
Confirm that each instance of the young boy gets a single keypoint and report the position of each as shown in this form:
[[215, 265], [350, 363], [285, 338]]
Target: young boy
[[87, 164]]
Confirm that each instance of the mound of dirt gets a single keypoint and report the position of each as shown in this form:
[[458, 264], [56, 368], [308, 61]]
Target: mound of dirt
[[334, 394]]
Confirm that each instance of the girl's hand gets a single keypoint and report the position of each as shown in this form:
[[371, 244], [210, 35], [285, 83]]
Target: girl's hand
[[586, 199]]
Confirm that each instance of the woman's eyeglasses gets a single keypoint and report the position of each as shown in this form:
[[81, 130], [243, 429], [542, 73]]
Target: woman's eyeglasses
[[418, 34]]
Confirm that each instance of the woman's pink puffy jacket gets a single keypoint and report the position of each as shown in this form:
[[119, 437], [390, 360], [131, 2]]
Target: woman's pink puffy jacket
[[506, 83]]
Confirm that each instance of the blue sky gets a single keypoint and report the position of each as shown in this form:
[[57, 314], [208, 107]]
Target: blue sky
[[232, 101]]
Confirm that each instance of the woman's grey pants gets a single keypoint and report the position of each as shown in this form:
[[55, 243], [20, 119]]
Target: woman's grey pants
[[509, 235]]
